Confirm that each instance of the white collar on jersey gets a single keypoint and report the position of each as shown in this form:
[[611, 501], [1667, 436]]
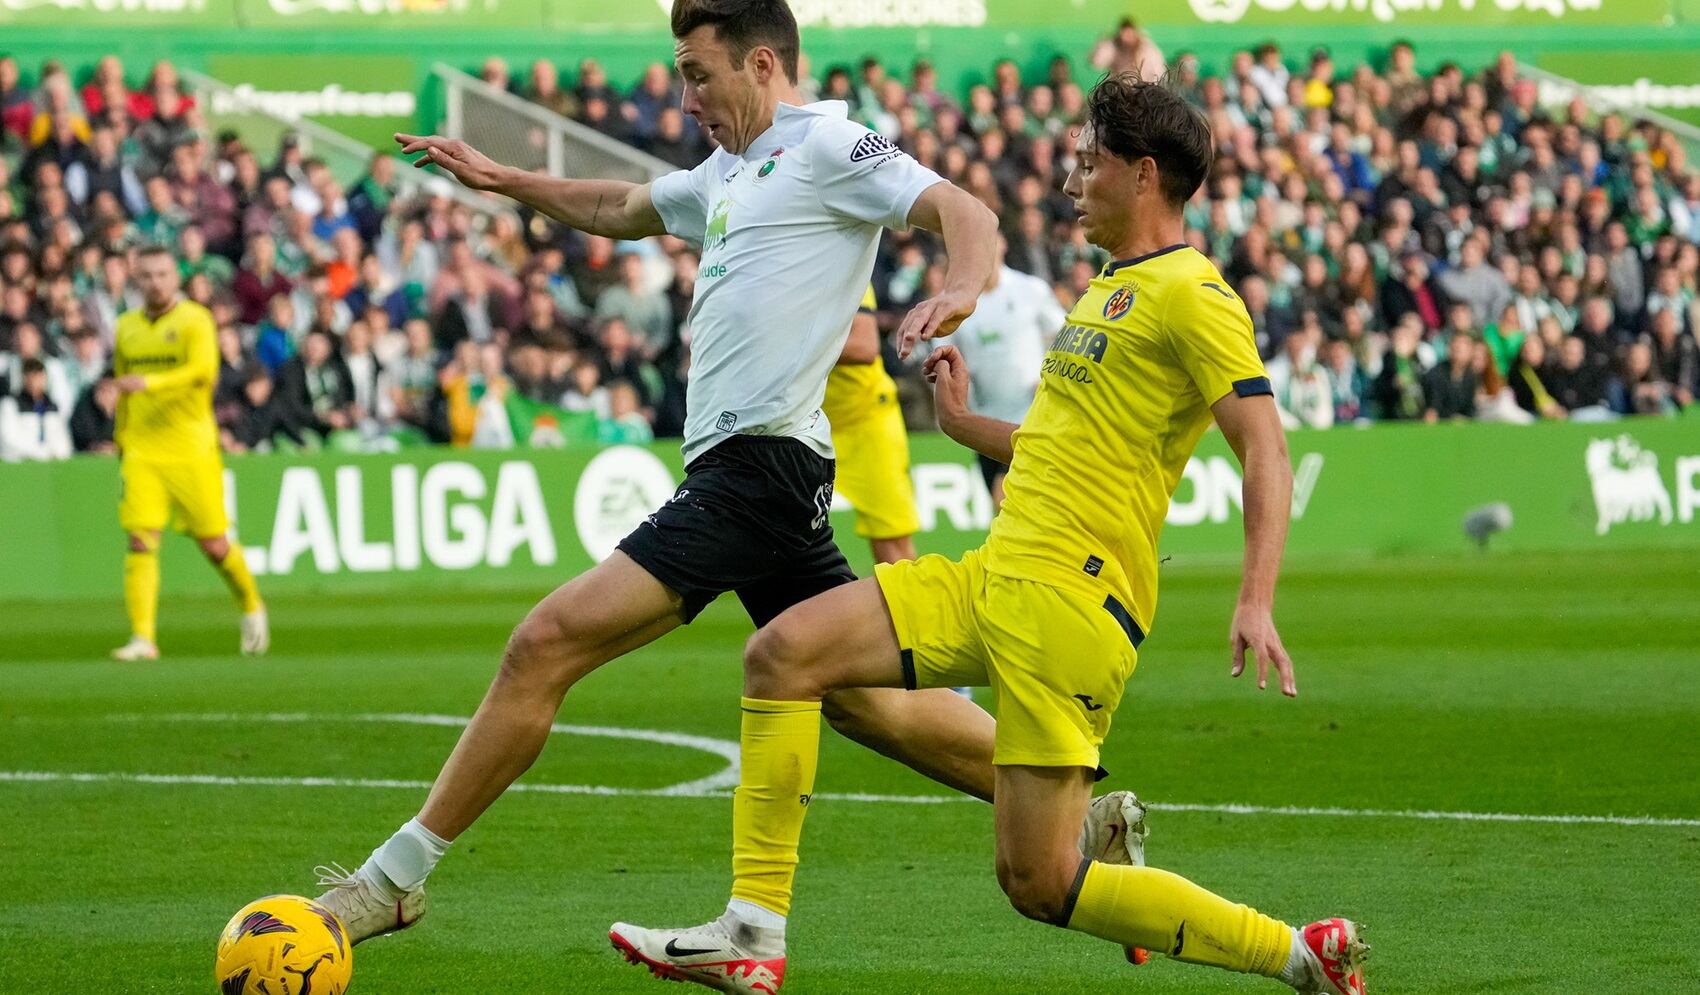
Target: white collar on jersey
[[785, 118]]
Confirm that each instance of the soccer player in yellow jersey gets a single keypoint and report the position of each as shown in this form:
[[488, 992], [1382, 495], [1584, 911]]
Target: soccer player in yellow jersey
[[871, 443], [166, 361], [1050, 612]]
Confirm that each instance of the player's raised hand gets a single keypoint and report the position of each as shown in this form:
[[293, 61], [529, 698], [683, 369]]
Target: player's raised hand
[[465, 163], [932, 318], [947, 371], [1254, 634]]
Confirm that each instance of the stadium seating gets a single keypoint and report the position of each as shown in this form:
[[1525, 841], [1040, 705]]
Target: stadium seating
[[1372, 218]]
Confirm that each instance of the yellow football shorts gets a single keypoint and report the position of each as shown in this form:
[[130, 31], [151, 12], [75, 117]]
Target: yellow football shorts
[[873, 473], [1055, 659], [153, 490]]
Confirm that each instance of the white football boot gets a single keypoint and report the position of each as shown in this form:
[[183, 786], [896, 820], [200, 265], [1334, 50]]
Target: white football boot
[[256, 632], [365, 909], [136, 649], [727, 954], [1115, 829], [1115, 833]]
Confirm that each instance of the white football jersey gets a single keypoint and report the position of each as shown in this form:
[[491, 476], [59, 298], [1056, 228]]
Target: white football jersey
[[1004, 341], [788, 233]]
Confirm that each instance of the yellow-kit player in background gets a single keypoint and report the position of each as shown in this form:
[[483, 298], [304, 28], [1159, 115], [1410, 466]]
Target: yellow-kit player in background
[[871, 444], [166, 361]]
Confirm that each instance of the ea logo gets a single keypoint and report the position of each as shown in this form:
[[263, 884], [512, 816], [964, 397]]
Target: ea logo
[[1120, 303], [616, 492]]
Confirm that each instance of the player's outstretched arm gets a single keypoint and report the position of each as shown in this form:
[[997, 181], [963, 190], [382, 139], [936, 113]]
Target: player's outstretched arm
[[613, 208], [970, 241], [1252, 427], [987, 436]]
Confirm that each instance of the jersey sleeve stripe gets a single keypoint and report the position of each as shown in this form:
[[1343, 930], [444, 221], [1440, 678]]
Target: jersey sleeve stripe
[[1253, 386]]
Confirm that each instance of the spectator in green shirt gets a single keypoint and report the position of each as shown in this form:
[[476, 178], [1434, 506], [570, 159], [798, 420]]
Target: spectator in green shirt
[[1504, 339]]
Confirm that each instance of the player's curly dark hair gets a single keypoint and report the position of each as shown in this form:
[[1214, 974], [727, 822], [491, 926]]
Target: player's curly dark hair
[[1133, 118], [742, 25]]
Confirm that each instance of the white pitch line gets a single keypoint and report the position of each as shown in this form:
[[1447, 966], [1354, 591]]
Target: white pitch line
[[217, 780], [726, 749], [715, 785]]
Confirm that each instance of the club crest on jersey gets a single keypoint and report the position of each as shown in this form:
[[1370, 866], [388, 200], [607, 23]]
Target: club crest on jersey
[[1119, 304], [770, 165]]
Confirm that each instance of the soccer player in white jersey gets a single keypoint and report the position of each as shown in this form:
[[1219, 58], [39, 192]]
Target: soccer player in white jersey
[[1004, 343], [789, 211]]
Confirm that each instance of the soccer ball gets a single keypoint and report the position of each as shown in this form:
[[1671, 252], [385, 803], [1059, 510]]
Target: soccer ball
[[284, 945]]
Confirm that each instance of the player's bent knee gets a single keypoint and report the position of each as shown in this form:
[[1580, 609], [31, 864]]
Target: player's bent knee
[[1036, 890], [540, 650], [216, 548], [776, 664]]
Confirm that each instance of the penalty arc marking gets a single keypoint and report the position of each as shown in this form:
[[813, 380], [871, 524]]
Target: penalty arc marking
[[718, 781], [717, 785]]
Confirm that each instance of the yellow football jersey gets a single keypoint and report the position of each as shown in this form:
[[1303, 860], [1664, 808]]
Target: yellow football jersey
[[856, 390], [1125, 393], [177, 354]]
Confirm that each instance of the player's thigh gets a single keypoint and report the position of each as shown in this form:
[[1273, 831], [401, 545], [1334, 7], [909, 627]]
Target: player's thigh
[[1038, 813], [840, 639], [143, 502], [197, 492], [609, 610], [931, 602], [743, 515], [1058, 662], [796, 577], [873, 475]]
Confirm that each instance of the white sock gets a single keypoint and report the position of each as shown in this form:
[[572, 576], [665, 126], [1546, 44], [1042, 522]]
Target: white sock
[[751, 914], [1297, 972], [407, 858]]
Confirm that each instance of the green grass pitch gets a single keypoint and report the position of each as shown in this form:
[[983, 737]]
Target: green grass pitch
[[1536, 686]]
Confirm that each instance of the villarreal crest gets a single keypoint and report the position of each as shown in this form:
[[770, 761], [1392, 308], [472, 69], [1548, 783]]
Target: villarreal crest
[[1119, 304]]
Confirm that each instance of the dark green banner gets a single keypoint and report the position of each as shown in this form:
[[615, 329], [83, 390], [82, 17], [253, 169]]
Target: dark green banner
[[537, 517]]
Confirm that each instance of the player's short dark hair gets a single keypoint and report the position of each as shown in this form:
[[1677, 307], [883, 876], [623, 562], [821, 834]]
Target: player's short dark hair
[[155, 250], [1133, 118], [743, 25]]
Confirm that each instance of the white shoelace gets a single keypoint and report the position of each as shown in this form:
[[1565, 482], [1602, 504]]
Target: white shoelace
[[336, 876]]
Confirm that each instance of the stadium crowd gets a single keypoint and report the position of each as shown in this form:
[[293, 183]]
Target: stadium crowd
[[1409, 246]]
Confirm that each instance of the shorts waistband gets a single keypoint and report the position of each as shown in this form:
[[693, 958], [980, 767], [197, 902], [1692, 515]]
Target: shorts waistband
[[747, 443]]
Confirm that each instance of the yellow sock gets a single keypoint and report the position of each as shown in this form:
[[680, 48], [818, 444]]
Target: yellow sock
[[234, 569], [1166, 913], [141, 591], [780, 741]]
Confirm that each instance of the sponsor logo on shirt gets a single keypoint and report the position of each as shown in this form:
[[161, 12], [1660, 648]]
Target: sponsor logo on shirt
[[1076, 341], [714, 236]]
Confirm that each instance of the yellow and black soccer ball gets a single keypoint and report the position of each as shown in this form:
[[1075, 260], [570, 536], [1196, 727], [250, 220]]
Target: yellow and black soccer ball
[[284, 945]]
